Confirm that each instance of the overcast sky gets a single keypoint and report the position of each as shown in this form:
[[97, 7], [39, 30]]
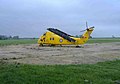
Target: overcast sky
[[31, 18]]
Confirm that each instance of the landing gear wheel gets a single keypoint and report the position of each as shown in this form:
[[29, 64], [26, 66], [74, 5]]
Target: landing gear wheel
[[40, 44], [78, 46], [60, 45], [52, 45]]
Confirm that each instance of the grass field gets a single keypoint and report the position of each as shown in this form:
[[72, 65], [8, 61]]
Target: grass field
[[103, 40], [33, 41], [16, 42], [100, 73]]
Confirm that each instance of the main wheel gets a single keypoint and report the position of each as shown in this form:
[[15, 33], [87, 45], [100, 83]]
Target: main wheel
[[52, 45], [77, 46], [40, 44]]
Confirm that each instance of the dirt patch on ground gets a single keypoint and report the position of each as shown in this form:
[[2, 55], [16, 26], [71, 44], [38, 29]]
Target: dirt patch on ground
[[32, 54]]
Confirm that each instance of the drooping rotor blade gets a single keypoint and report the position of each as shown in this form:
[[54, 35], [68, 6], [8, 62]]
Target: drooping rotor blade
[[83, 30], [92, 27], [61, 34]]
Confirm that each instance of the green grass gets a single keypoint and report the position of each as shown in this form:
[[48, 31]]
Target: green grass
[[103, 40], [34, 41], [100, 73], [16, 42]]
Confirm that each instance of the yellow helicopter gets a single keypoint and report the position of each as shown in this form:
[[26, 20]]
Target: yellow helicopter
[[55, 37]]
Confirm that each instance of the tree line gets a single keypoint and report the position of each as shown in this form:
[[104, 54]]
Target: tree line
[[4, 37]]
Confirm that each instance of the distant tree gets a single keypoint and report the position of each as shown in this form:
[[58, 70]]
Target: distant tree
[[90, 37], [77, 36], [34, 38], [10, 37], [15, 37], [80, 36], [113, 36], [3, 37]]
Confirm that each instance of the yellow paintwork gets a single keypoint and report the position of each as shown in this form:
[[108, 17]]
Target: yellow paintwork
[[53, 39]]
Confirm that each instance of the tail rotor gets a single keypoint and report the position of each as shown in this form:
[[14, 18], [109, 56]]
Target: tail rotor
[[87, 28]]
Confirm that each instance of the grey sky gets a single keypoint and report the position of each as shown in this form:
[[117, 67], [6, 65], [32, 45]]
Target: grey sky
[[31, 18]]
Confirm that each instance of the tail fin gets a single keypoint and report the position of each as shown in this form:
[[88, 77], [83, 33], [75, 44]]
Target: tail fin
[[87, 34]]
